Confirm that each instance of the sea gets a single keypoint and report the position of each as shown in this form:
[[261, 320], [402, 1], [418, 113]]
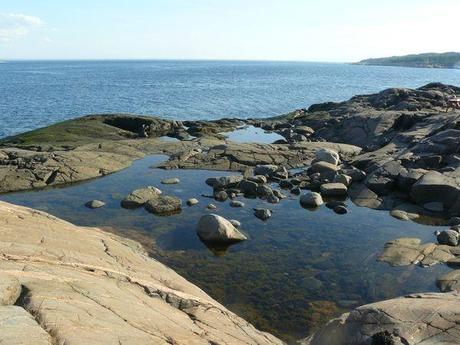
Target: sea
[[34, 94]]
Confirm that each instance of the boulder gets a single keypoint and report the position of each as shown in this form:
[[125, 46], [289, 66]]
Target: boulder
[[342, 178], [264, 191], [334, 189], [221, 195], [140, 196], [311, 199], [172, 180], [236, 203], [192, 202], [327, 155], [224, 181], [448, 237], [272, 199], [322, 167], [263, 213], [381, 185], [95, 204], [340, 209], [260, 179], [235, 223], [249, 187], [164, 205], [266, 169], [425, 318], [214, 228], [435, 187]]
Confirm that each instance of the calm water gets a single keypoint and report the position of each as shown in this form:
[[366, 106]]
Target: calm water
[[297, 270], [35, 94]]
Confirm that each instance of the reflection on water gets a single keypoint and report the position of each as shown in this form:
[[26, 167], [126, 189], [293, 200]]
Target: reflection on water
[[297, 269], [251, 134]]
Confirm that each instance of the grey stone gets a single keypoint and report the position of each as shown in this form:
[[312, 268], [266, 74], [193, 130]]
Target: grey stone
[[236, 203], [311, 199], [140, 196], [164, 205], [448, 237], [263, 213], [95, 204], [214, 228], [172, 180], [334, 189], [192, 202]]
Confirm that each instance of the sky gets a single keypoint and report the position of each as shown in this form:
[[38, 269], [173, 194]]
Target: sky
[[292, 30]]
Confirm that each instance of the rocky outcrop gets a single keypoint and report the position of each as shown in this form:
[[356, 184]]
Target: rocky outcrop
[[67, 284], [216, 229], [428, 318]]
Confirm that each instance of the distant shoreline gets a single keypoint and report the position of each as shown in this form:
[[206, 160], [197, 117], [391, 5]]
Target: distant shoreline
[[449, 60]]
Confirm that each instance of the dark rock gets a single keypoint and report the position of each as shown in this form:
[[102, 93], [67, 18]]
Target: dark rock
[[262, 213], [164, 205]]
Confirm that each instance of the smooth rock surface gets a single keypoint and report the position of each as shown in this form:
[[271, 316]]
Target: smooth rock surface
[[86, 286], [214, 228], [311, 199], [95, 204], [139, 197], [334, 189], [425, 319]]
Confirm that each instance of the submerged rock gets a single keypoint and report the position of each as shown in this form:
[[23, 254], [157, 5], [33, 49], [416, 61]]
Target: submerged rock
[[211, 207], [236, 203], [95, 204], [172, 180], [235, 223], [263, 213], [214, 228], [192, 202], [340, 209], [221, 195], [164, 205], [140, 196], [449, 281]]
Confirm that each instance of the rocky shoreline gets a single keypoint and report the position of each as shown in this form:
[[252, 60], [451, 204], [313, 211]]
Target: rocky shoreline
[[398, 150]]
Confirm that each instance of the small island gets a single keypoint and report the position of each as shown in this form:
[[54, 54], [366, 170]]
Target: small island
[[426, 60]]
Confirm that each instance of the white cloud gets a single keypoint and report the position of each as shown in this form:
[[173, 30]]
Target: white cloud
[[14, 25]]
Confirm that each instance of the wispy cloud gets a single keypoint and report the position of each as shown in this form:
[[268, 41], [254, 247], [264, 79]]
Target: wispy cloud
[[15, 25]]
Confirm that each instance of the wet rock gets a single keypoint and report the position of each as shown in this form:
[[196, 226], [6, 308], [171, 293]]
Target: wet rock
[[407, 251], [286, 184], [235, 223], [249, 187], [304, 130], [164, 205], [221, 195], [211, 207], [214, 228], [192, 202], [334, 189], [236, 203], [173, 180], [449, 281], [95, 204], [263, 213], [272, 199], [279, 194], [434, 206], [454, 221], [340, 209], [140, 196], [448, 237], [264, 191], [399, 214], [327, 155], [296, 191], [311, 199], [356, 174]]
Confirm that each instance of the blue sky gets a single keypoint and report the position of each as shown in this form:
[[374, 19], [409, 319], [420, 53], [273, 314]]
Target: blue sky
[[326, 30]]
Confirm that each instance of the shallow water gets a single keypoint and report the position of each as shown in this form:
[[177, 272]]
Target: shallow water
[[38, 93], [297, 270], [251, 134]]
